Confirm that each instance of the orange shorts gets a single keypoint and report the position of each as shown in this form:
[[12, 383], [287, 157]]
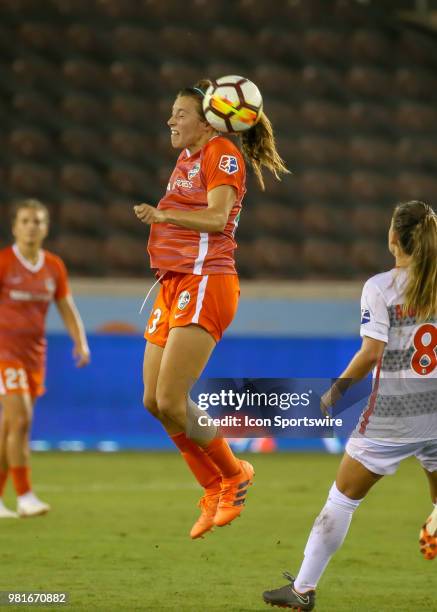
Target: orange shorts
[[16, 378], [184, 299]]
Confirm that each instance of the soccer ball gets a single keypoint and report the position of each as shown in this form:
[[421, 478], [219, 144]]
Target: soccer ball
[[232, 104]]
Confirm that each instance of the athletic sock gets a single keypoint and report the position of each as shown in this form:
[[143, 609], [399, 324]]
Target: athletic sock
[[3, 479], [327, 535], [220, 452], [204, 469], [432, 525], [21, 479]]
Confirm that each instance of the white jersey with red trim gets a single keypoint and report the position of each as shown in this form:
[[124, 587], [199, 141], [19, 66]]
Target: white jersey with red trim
[[403, 405]]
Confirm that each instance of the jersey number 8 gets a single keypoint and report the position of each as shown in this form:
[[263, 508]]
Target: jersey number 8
[[424, 358]]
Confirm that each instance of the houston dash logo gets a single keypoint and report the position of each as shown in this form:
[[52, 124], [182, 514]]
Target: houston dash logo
[[229, 164]]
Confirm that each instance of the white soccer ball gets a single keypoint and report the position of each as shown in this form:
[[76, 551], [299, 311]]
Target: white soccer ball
[[232, 104]]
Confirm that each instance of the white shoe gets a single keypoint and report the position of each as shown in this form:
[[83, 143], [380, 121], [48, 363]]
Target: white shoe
[[29, 505], [5, 512]]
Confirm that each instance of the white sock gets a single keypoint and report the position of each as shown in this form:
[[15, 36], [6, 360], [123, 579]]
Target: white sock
[[29, 496], [432, 525], [327, 535]]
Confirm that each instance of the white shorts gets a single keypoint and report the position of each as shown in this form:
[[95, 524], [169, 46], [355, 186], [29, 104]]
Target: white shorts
[[384, 459]]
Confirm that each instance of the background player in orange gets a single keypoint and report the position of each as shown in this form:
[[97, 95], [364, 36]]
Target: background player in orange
[[30, 279], [191, 246]]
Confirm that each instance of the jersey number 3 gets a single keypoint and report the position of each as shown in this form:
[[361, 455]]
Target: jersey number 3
[[154, 322], [424, 359]]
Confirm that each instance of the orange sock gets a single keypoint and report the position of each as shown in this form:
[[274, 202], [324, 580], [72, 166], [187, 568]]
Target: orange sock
[[21, 479], [3, 479], [219, 451], [205, 471]]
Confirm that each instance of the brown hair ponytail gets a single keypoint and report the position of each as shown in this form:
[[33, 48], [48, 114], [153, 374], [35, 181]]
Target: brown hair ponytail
[[259, 148], [416, 226]]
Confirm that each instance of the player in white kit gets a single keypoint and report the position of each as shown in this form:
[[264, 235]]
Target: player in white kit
[[399, 331]]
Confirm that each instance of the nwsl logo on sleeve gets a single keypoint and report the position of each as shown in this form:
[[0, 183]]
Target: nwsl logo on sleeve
[[365, 316], [229, 164]]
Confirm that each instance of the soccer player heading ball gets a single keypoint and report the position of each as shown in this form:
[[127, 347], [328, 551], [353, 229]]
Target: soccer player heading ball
[[399, 331], [191, 246], [30, 279]]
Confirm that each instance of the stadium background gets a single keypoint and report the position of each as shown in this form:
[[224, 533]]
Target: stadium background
[[85, 91]]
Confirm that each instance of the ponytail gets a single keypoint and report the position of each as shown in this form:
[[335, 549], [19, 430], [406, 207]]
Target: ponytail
[[259, 148], [416, 226]]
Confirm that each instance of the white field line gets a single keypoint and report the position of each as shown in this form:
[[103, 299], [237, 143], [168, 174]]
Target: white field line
[[103, 487]]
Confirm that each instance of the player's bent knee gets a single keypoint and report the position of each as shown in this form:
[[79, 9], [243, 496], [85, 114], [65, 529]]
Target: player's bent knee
[[167, 405], [151, 405]]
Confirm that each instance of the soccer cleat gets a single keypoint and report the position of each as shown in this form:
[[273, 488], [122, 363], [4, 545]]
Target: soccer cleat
[[287, 597], [428, 537], [233, 495], [29, 505], [208, 507], [5, 512]]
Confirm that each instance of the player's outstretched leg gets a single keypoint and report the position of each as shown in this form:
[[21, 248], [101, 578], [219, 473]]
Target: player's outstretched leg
[[428, 537], [288, 597], [233, 494]]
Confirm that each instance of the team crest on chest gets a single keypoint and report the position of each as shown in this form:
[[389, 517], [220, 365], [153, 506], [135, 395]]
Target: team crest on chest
[[184, 299], [194, 171]]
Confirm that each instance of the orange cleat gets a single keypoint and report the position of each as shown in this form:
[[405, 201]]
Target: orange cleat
[[208, 507], [428, 537], [233, 495]]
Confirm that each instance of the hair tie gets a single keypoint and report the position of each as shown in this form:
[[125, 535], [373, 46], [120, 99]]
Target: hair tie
[[197, 90]]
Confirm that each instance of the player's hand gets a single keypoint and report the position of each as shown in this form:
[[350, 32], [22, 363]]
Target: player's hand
[[81, 355], [328, 399], [148, 214]]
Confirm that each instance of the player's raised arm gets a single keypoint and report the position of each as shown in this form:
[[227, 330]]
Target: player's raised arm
[[74, 325]]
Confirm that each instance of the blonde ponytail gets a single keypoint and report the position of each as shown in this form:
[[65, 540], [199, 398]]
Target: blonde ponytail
[[416, 225], [259, 148]]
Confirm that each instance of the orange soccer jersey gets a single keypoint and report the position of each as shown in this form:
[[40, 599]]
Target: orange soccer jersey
[[219, 162], [26, 292]]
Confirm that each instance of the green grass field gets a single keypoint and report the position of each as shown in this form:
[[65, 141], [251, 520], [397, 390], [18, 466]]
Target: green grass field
[[117, 538]]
